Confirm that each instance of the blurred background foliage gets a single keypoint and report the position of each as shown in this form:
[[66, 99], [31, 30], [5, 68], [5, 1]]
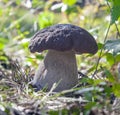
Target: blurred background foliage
[[20, 19]]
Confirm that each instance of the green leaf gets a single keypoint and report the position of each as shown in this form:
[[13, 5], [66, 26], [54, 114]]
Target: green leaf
[[115, 13], [108, 90], [39, 56], [90, 105], [115, 10], [1, 46], [3, 58], [116, 2], [109, 75], [110, 58], [114, 46], [100, 45], [69, 2], [117, 58], [46, 19], [3, 41], [116, 89]]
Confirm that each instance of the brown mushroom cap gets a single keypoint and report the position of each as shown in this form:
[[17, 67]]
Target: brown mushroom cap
[[63, 37]]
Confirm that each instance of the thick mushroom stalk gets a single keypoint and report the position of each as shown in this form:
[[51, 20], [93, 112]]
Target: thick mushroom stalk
[[57, 67], [62, 42]]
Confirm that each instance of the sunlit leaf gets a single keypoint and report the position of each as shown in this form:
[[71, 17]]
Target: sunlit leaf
[[117, 58], [110, 58], [1, 12], [3, 58], [116, 89], [46, 19], [69, 2], [3, 41], [1, 46]]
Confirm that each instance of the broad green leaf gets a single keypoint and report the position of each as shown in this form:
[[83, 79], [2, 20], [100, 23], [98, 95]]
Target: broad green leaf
[[116, 2], [115, 13], [115, 10], [100, 45], [116, 89], [69, 2], [117, 58], [113, 45], [108, 90], [110, 58]]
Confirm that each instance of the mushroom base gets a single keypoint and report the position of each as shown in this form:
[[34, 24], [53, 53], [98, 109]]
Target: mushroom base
[[57, 67]]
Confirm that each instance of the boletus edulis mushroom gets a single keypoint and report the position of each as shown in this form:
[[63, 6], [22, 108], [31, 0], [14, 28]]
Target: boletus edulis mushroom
[[62, 41]]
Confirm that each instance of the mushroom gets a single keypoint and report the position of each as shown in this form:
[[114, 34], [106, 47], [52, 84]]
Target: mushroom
[[62, 41]]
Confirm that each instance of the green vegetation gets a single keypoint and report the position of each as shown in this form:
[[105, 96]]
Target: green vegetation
[[99, 81]]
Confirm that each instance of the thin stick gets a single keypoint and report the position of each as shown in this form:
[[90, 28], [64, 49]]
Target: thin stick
[[105, 41], [101, 51], [118, 32]]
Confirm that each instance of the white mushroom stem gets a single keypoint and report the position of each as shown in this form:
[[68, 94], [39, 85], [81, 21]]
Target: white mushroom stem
[[57, 67]]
